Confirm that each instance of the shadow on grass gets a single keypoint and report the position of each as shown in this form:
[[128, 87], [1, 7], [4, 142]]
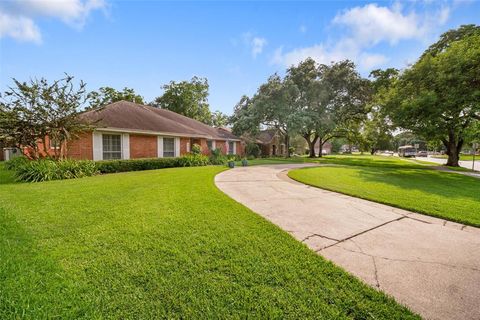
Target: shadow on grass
[[368, 161]]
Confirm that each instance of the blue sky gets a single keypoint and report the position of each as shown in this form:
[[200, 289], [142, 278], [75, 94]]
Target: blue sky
[[236, 45]]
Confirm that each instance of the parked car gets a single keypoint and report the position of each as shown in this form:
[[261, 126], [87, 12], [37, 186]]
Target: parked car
[[422, 153]]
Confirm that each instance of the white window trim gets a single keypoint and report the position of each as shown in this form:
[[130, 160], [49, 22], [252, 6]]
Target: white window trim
[[234, 147], [160, 146], [213, 144], [97, 144]]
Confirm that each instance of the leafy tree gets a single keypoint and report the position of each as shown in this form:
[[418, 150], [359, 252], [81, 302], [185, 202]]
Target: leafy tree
[[309, 101], [438, 97], [346, 102], [219, 119], [377, 134], [107, 95], [244, 119], [274, 106], [31, 112], [189, 98]]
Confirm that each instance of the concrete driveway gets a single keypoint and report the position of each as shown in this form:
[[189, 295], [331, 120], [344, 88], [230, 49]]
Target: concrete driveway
[[430, 265]]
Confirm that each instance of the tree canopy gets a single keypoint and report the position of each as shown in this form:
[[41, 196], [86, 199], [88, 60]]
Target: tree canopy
[[439, 96], [316, 101], [107, 95], [32, 111], [189, 98]]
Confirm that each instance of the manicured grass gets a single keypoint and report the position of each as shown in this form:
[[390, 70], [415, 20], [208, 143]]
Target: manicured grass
[[5, 176], [463, 157], [162, 244], [370, 161], [278, 160], [446, 195]]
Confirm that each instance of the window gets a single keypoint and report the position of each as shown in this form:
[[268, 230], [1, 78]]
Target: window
[[209, 144], [112, 146], [168, 147], [231, 146], [54, 144]]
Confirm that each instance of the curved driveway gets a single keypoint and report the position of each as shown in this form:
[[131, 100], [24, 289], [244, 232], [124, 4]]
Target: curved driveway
[[428, 264]]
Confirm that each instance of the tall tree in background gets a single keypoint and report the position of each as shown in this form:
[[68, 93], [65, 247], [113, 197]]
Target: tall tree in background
[[439, 96], [31, 112], [107, 95], [346, 102], [309, 101], [189, 98], [219, 119]]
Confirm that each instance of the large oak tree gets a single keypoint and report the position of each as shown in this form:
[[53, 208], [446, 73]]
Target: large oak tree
[[439, 96]]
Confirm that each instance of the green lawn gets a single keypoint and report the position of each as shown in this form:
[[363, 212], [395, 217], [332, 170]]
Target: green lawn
[[161, 244], [464, 157], [418, 188]]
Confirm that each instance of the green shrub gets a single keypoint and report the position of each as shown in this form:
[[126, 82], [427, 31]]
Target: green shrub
[[196, 149], [217, 158], [252, 149], [113, 166], [46, 170], [193, 160], [15, 163]]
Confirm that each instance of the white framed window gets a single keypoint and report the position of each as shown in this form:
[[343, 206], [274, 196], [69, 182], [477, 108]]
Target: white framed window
[[54, 144], [168, 147], [112, 146], [231, 147]]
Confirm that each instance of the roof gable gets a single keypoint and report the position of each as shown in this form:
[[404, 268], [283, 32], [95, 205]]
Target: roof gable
[[132, 116]]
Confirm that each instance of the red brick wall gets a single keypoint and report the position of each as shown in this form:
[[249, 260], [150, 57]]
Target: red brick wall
[[81, 148], [183, 146], [143, 146], [221, 145], [240, 148], [203, 145]]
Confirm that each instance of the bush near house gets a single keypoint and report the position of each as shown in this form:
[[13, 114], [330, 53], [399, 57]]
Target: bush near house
[[47, 169]]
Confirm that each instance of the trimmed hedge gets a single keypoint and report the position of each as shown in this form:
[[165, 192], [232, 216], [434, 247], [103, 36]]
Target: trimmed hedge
[[113, 166]]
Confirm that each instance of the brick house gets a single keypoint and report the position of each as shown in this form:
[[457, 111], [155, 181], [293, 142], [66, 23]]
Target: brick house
[[126, 130], [271, 143]]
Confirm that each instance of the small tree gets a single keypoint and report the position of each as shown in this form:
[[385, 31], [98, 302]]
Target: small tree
[[189, 98], [33, 111]]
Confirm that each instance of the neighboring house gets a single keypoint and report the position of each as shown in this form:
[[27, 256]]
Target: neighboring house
[[326, 149], [126, 130], [271, 143]]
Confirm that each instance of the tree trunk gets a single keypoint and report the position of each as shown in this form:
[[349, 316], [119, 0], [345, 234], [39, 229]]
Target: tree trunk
[[311, 144], [320, 148], [372, 151], [287, 144], [454, 147]]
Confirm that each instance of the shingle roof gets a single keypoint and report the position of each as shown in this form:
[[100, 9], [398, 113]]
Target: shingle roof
[[266, 136], [137, 117]]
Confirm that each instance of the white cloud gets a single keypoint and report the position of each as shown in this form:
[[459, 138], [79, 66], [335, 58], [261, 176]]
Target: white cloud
[[17, 19], [257, 45], [254, 43], [371, 24], [20, 28], [363, 28]]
